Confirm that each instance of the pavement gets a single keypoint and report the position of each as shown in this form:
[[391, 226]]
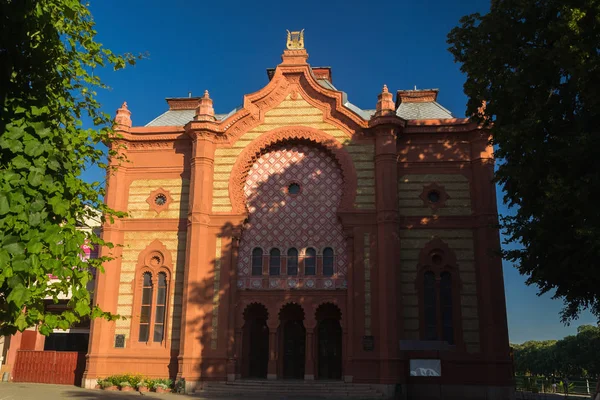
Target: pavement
[[41, 391]]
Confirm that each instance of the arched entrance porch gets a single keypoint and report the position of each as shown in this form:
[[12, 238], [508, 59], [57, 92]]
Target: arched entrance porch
[[329, 342], [255, 347], [292, 341]]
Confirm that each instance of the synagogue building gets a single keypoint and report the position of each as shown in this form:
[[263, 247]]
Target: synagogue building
[[301, 237]]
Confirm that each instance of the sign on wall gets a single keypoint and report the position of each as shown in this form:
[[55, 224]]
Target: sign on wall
[[420, 367]]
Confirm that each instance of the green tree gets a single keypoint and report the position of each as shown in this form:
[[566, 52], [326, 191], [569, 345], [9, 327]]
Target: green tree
[[48, 55], [537, 65], [536, 358]]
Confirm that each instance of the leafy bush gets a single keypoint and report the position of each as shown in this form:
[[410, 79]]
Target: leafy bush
[[143, 383], [161, 381], [105, 383], [124, 384], [161, 386], [132, 379], [180, 386]]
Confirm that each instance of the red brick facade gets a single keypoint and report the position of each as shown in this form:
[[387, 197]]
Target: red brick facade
[[319, 241]]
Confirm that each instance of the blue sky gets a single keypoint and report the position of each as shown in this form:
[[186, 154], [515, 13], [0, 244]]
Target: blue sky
[[225, 47]]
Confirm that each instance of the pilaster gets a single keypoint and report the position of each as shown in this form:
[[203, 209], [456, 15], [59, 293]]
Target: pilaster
[[106, 290], [388, 245], [490, 281], [198, 267]]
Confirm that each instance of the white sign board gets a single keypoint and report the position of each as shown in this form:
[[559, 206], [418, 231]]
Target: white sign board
[[425, 368]]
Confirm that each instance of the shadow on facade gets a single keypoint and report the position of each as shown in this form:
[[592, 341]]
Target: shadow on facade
[[224, 329]]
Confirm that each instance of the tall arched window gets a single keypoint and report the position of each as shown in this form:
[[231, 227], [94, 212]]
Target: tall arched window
[[446, 307], [328, 261], [430, 308], [439, 293], [161, 305], [292, 262], [310, 262], [257, 261], [274, 262], [146, 309]]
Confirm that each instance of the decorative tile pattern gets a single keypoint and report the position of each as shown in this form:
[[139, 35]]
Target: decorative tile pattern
[[216, 289], [307, 219]]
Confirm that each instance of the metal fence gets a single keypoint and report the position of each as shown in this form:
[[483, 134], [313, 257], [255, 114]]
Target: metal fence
[[541, 384]]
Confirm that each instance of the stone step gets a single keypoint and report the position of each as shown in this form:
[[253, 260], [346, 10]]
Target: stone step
[[291, 389], [332, 386], [288, 390]]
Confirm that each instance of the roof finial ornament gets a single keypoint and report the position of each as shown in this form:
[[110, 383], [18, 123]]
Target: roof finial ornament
[[295, 40], [123, 118], [385, 103], [205, 110]]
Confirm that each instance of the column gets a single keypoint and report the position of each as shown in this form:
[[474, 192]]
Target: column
[[388, 245], [493, 331], [348, 317], [200, 247], [106, 288], [231, 328], [309, 360], [238, 353], [272, 366]]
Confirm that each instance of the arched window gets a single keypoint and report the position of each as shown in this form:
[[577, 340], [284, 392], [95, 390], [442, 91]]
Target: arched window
[[310, 262], [146, 309], [429, 303], [446, 307], [274, 262], [292, 262], [161, 305], [257, 261], [328, 261], [439, 293]]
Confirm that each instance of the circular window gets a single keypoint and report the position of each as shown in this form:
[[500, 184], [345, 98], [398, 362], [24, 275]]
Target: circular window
[[433, 196], [160, 200], [436, 259], [155, 261], [293, 188]]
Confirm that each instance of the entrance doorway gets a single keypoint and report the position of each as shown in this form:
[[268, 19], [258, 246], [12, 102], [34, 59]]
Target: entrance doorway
[[294, 341], [329, 338], [256, 341]]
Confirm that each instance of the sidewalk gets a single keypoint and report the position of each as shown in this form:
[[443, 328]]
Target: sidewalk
[[39, 391]]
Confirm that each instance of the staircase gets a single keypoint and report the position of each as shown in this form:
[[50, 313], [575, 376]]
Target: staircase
[[284, 389]]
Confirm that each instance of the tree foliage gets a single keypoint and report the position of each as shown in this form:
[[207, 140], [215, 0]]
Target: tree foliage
[[574, 356], [537, 65], [48, 55]]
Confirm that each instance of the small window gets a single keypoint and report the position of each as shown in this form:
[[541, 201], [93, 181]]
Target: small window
[[292, 262], [328, 261], [433, 196], [446, 307], [310, 262], [430, 306], [160, 200], [257, 262], [145, 312], [161, 303], [274, 262], [293, 188]]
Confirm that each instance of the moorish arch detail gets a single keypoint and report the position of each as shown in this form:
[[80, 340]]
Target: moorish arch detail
[[294, 133], [293, 238]]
